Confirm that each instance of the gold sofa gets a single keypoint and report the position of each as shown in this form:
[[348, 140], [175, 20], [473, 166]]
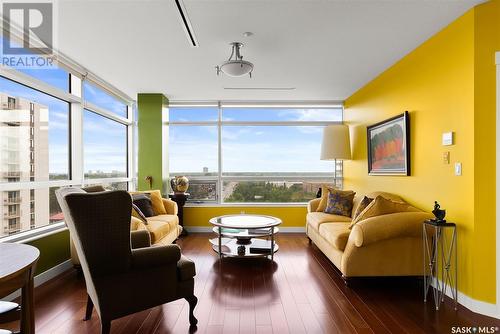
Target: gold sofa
[[163, 229], [386, 245]]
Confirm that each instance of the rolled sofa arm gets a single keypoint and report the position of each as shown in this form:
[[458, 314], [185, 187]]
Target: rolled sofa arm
[[384, 227], [155, 256], [140, 239], [313, 205], [170, 206]]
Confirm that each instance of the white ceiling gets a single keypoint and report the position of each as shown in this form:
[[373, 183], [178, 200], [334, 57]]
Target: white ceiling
[[327, 49]]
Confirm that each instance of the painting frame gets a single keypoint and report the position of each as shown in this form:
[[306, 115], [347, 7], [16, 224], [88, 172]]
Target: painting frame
[[401, 164]]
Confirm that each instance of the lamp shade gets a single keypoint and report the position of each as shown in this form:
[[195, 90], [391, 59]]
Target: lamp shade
[[236, 68], [336, 143]]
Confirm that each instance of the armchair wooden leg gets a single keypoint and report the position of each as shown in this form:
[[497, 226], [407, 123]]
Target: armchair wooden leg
[[105, 327], [192, 304], [89, 308]]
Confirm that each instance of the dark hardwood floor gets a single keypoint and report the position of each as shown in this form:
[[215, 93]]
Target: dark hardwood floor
[[301, 292]]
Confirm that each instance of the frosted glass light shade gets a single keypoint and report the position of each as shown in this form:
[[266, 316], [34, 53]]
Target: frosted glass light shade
[[336, 143], [236, 68]]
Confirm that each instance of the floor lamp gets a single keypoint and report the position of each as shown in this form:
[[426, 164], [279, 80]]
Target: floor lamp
[[336, 145]]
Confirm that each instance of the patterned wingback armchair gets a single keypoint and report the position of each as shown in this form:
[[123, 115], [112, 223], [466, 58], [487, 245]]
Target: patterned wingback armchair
[[99, 224]]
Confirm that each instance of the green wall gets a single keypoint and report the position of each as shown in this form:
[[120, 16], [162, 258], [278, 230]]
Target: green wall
[[150, 133], [54, 249]]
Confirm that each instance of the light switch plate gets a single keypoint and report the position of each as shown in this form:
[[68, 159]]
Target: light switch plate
[[447, 138], [458, 168], [446, 158]]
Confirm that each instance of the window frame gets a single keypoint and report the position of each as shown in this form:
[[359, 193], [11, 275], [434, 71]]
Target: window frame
[[76, 102], [220, 178]]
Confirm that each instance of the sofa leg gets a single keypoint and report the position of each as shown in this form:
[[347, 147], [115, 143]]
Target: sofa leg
[[309, 239], [105, 327], [192, 300], [346, 280], [88, 309]]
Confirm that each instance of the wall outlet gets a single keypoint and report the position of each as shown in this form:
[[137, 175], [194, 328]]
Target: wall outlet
[[446, 158], [458, 168], [242, 212]]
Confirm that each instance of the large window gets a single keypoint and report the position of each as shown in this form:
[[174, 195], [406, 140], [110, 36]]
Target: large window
[[104, 147], [99, 98], [251, 155], [52, 136]]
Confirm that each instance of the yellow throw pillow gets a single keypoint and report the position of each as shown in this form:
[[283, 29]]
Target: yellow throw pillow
[[156, 201], [324, 198], [325, 190], [382, 206]]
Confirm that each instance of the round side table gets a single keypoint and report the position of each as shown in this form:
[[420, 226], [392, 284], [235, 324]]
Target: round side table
[[17, 269]]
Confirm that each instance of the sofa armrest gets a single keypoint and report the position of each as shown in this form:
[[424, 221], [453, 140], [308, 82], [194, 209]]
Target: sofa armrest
[[140, 239], [384, 227], [313, 205], [155, 256], [170, 206]]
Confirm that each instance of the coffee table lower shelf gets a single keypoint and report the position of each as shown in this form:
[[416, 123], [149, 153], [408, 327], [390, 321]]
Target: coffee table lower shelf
[[230, 248]]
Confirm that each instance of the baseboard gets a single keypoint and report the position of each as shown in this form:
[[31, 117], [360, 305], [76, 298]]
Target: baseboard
[[477, 306], [206, 229], [44, 277]]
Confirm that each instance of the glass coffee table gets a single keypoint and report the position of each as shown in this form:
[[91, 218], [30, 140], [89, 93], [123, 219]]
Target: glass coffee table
[[245, 235]]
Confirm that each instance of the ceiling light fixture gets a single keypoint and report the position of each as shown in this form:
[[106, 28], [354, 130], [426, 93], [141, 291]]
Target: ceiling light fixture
[[236, 67]]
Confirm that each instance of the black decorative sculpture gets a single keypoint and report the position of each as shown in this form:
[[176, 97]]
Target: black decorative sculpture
[[241, 250], [438, 213]]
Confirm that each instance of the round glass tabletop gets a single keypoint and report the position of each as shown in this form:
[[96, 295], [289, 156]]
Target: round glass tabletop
[[245, 221]]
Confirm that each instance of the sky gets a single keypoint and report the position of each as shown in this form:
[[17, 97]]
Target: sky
[[249, 149]]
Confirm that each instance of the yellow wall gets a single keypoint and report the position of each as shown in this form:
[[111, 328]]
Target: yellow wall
[[487, 41], [439, 83], [199, 216]]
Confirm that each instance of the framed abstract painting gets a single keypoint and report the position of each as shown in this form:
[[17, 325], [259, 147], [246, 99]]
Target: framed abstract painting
[[389, 146]]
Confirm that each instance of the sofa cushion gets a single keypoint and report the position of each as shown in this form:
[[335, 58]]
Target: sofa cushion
[[185, 269], [315, 219], [339, 202], [382, 206], [325, 191], [137, 213], [336, 234], [143, 204], [156, 201], [160, 226], [361, 206]]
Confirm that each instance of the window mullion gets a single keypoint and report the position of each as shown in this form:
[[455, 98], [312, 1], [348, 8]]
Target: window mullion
[[219, 155], [76, 142]]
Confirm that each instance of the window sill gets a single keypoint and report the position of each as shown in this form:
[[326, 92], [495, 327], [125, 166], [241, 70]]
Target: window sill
[[264, 205], [38, 233]]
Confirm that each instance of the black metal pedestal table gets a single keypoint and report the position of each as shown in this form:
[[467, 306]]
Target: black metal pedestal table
[[440, 260]]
